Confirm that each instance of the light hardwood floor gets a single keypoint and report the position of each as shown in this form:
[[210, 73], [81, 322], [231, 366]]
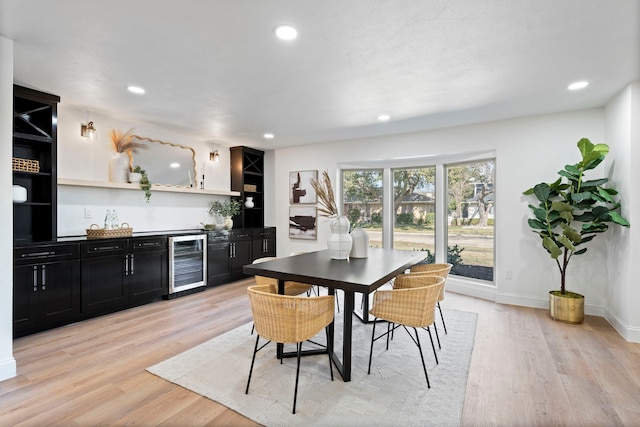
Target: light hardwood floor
[[526, 369]]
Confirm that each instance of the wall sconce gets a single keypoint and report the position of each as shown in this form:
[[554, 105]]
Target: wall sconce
[[88, 131], [214, 156]]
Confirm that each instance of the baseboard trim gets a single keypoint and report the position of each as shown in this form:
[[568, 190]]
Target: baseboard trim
[[7, 368]]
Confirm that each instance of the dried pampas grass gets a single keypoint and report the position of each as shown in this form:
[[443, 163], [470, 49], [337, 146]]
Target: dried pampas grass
[[326, 198], [122, 142]]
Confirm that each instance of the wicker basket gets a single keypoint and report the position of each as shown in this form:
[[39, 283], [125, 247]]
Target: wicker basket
[[95, 232], [25, 165], [251, 188]]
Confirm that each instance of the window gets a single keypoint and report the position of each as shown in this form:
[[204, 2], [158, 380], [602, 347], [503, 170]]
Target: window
[[414, 203], [362, 202], [470, 230], [443, 205]]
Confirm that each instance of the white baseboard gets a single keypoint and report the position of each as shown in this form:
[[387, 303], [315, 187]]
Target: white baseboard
[[629, 333], [7, 368]]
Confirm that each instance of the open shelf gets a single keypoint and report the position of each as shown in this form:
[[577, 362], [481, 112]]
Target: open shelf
[[154, 187]]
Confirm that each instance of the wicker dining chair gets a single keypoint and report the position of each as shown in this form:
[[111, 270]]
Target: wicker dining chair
[[412, 307], [417, 280], [290, 288], [436, 269], [316, 290], [289, 319]]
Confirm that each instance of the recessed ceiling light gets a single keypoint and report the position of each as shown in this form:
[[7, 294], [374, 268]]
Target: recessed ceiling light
[[384, 117], [135, 89], [578, 85], [268, 136], [285, 32]]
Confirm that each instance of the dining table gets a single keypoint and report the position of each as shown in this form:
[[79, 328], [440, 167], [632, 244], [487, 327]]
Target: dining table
[[353, 275]]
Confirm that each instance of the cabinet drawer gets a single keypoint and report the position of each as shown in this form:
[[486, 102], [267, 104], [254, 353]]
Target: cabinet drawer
[[241, 234], [46, 253], [103, 247], [147, 243], [264, 233]]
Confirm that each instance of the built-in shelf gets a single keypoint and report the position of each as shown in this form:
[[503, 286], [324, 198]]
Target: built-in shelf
[[154, 187]]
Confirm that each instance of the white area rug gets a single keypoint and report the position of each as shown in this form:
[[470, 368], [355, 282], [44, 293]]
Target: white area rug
[[395, 393]]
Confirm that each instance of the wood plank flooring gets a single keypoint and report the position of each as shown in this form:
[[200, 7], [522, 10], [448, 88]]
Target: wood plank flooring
[[526, 369]]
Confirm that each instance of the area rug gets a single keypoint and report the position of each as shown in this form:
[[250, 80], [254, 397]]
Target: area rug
[[394, 394]]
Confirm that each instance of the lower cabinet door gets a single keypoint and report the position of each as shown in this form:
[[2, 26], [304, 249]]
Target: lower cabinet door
[[104, 283], [25, 297], [59, 297], [148, 275], [218, 270], [241, 257]]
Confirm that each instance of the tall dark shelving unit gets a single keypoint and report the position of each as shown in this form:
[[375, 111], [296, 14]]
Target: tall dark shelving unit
[[247, 177], [35, 116]]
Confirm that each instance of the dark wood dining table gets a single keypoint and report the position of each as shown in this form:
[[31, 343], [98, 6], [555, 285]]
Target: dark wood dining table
[[355, 275]]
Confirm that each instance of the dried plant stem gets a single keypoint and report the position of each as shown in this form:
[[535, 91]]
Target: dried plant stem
[[326, 197]]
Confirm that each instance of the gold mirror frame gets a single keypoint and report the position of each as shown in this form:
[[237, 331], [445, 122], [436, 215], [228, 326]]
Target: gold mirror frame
[[156, 163]]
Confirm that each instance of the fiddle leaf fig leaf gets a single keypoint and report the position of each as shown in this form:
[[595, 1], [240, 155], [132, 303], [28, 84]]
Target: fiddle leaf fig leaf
[[579, 197], [618, 219], [572, 233], [536, 224], [551, 246], [605, 195], [566, 243], [542, 192], [566, 215], [561, 206]]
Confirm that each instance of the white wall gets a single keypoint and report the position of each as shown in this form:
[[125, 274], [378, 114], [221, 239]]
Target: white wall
[[80, 158], [623, 133], [529, 150], [7, 362]]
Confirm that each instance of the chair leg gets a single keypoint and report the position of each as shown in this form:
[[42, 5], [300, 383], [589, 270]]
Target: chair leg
[[295, 392], [422, 356], [435, 328], [373, 334], [253, 359], [433, 346], [442, 317]]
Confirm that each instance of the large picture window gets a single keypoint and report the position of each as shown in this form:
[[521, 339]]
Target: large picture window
[[471, 221], [442, 205]]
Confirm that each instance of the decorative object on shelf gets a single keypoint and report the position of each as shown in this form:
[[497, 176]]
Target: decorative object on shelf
[[250, 188], [19, 194], [134, 177], [340, 241], [88, 131], [572, 211], [144, 182], [25, 165], [120, 163], [360, 248], [300, 189], [95, 232], [225, 209], [249, 202], [302, 222]]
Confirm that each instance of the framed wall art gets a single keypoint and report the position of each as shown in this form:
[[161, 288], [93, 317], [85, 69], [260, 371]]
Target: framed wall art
[[302, 222], [300, 190]]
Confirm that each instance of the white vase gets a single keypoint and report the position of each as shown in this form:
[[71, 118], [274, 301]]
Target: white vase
[[339, 242], [228, 222], [135, 177], [360, 247], [119, 168], [249, 203]]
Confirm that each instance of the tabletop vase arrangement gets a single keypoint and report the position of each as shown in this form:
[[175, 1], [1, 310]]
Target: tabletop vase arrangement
[[360, 247], [339, 242]]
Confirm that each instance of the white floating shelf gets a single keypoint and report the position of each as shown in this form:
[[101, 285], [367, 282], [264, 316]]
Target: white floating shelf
[[154, 187]]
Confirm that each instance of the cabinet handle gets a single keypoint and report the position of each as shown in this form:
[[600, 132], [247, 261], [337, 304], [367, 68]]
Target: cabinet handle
[[126, 265], [44, 277], [131, 264], [265, 246], [35, 278], [38, 254], [105, 248]]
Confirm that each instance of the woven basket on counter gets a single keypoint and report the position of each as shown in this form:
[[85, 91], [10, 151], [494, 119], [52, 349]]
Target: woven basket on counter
[[95, 232]]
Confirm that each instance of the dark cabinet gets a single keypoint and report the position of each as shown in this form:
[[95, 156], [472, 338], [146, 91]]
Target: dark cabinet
[[247, 177], [46, 290], [240, 252], [264, 243], [218, 262], [120, 273], [34, 164]]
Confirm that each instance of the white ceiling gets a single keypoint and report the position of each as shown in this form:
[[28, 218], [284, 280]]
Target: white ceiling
[[212, 69]]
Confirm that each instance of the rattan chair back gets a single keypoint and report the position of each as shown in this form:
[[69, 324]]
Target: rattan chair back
[[437, 269], [290, 288], [414, 307], [289, 319]]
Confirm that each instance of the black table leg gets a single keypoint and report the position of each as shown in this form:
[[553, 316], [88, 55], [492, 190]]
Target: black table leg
[[280, 346]]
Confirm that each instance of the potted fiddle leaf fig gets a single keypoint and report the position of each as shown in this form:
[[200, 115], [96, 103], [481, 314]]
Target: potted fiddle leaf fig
[[570, 212]]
